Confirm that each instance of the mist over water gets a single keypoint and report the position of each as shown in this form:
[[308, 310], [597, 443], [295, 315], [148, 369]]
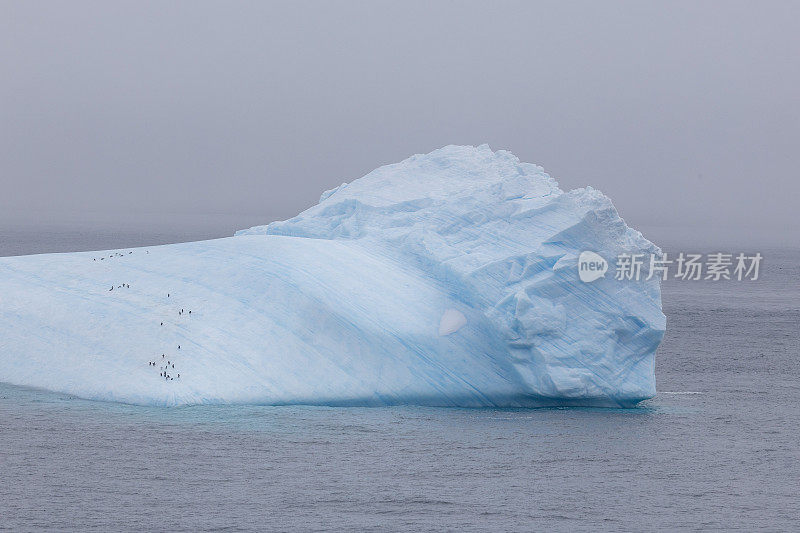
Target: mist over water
[[716, 448], [121, 123]]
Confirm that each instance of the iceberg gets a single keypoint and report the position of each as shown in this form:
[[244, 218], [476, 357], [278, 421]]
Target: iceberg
[[448, 279]]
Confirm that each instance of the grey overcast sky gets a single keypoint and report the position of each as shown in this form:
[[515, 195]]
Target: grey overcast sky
[[684, 113]]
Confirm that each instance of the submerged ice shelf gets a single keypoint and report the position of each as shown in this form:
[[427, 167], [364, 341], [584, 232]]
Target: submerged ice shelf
[[446, 279]]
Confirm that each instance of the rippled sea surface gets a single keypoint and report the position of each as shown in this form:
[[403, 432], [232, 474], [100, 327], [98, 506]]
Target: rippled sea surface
[[716, 449]]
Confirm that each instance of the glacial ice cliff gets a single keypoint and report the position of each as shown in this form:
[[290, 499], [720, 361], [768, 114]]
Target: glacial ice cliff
[[447, 279]]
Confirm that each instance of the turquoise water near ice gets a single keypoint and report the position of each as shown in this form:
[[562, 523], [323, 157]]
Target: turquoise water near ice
[[717, 448]]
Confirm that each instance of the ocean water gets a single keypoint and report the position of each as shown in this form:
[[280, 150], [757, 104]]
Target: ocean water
[[717, 448]]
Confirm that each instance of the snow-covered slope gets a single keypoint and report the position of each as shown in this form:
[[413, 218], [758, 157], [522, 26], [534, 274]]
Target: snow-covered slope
[[447, 279]]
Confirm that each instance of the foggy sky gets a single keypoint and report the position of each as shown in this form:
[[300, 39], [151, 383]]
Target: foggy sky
[[685, 114]]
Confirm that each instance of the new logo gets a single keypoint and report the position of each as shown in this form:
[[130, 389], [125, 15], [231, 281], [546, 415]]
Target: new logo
[[591, 266]]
